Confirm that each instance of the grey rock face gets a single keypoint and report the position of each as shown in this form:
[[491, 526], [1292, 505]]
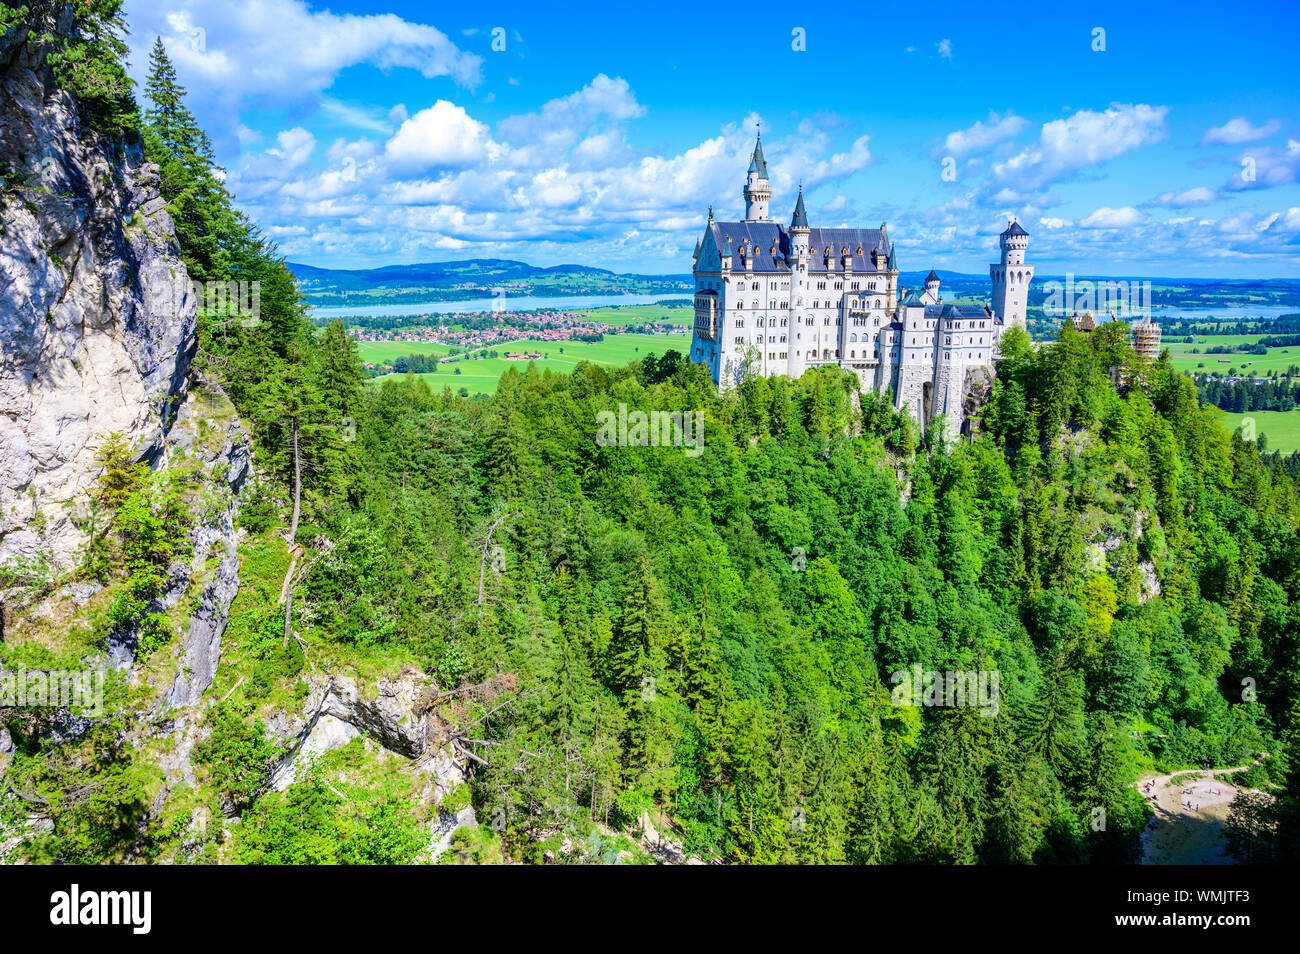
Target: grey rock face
[[335, 713], [201, 652], [97, 320]]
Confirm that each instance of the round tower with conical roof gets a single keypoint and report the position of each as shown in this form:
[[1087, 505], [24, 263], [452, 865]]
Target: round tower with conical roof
[[931, 296], [1011, 276], [757, 191], [799, 230]]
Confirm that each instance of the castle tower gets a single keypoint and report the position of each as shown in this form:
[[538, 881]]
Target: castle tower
[[800, 235], [931, 296], [1011, 276], [799, 230], [758, 191]]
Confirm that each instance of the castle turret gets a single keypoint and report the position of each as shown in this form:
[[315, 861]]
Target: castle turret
[[799, 230], [758, 191], [891, 276], [931, 296], [1011, 276]]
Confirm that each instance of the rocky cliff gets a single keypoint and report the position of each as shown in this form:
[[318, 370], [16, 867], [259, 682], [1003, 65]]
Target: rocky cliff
[[97, 332], [97, 322]]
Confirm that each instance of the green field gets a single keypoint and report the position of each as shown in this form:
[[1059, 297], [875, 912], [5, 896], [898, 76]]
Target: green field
[[1277, 359], [638, 314], [480, 376], [381, 352], [1282, 428]]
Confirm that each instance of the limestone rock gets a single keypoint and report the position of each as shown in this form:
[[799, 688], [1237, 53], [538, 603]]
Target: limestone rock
[[97, 320]]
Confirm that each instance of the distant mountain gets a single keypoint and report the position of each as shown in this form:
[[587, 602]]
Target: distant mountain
[[471, 278]]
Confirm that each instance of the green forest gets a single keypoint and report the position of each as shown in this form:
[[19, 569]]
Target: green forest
[[706, 640]]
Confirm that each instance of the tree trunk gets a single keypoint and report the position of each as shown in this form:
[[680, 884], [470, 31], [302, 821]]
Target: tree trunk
[[286, 591], [297, 487]]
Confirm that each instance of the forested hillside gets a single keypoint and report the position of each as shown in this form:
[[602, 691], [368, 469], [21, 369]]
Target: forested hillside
[[616, 632]]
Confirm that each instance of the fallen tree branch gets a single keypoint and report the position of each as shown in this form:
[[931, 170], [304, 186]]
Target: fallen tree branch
[[232, 689]]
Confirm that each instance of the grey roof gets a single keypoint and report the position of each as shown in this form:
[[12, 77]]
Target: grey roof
[[760, 235], [966, 311], [946, 311], [853, 239], [932, 277], [800, 220], [756, 162], [1014, 229], [764, 235]]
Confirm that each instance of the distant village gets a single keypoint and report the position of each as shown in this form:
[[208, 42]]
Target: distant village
[[457, 332]]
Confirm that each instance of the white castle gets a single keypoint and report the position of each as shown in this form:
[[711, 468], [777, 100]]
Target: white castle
[[771, 300]]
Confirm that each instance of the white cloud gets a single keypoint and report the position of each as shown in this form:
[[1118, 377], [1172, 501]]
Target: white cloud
[[944, 47], [532, 184], [293, 147], [350, 114], [1108, 218], [981, 136], [1239, 130], [1086, 138], [283, 50], [1200, 195], [440, 136], [1267, 167]]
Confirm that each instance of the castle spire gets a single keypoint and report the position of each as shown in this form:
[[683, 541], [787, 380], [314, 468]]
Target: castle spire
[[757, 191], [800, 220], [756, 162]]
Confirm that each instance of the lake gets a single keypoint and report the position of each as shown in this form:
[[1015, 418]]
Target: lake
[[520, 303]]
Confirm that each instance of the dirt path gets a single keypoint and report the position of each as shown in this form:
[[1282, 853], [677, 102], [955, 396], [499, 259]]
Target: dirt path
[[1179, 835]]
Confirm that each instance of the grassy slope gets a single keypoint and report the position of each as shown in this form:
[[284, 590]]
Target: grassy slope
[[480, 376], [1281, 427]]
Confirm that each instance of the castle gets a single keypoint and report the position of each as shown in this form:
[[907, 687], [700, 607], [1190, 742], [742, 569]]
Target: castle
[[772, 300]]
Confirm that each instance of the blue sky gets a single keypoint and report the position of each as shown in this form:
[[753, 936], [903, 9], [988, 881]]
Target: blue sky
[[362, 134]]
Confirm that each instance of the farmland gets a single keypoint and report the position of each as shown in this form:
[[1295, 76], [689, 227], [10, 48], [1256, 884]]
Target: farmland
[[1282, 428], [1184, 359], [479, 376]]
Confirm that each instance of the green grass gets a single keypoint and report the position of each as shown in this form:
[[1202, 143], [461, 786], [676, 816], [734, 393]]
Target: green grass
[[480, 376], [1282, 428], [1277, 359], [379, 352], [637, 314]]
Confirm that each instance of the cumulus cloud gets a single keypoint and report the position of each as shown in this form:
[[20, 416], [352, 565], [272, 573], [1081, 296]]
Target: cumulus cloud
[[944, 47], [1086, 138], [293, 147], [237, 49], [982, 136], [446, 180], [1266, 167], [1108, 218], [1200, 195], [440, 136], [1239, 130]]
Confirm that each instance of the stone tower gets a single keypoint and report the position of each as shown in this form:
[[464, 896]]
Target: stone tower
[[1011, 276], [931, 296], [758, 191]]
